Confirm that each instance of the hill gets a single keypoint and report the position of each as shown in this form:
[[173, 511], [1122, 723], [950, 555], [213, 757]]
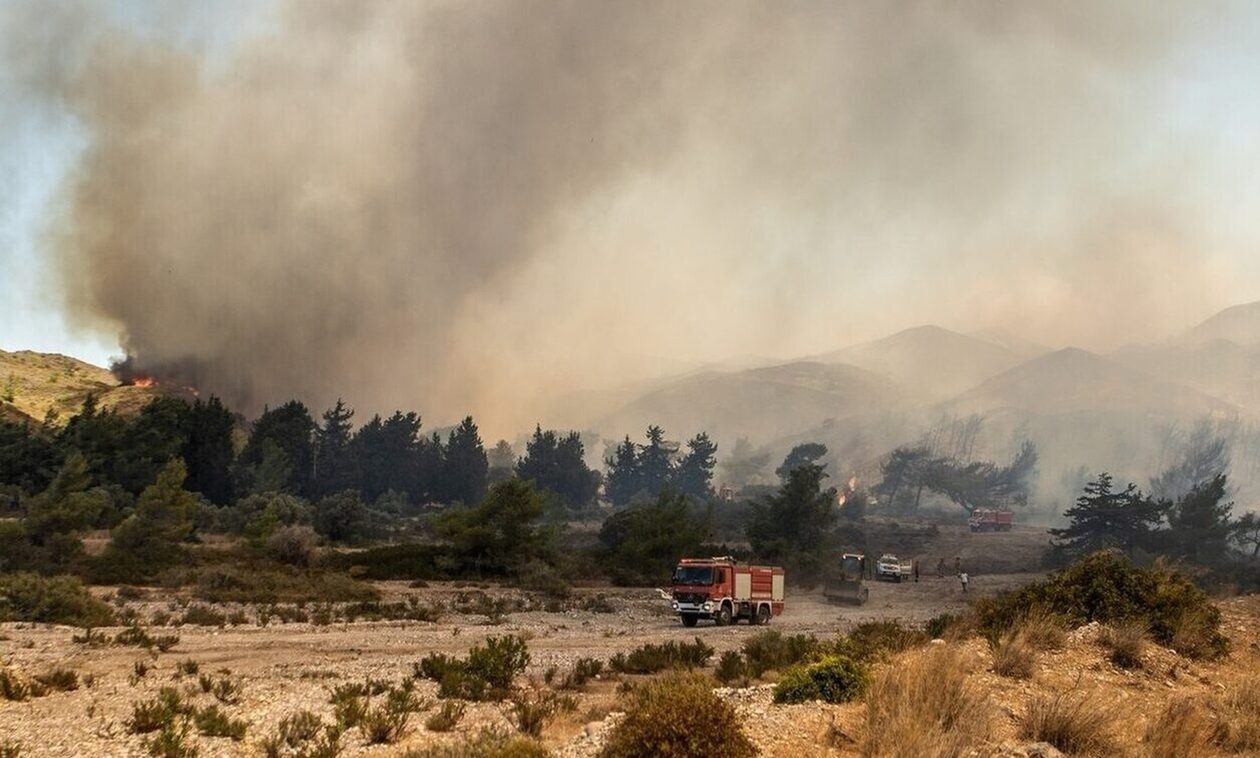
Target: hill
[[1073, 380], [930, 360], [761, 403], [1239, 324], [43, 382]]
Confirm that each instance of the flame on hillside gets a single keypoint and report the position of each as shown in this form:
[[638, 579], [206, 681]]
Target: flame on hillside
[[144, 381]]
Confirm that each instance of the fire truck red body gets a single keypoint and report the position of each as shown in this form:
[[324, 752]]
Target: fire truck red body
[[725, 590], [990, 520]]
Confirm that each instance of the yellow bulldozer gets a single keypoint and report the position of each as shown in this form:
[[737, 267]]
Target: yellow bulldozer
[[849, 583]]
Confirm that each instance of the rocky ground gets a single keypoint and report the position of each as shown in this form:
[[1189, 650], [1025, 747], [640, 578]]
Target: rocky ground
[[283, 668]]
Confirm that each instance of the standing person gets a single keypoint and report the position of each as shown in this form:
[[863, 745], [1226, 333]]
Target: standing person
[[940, 569], [957, 566], [916, 570], [962, 577]]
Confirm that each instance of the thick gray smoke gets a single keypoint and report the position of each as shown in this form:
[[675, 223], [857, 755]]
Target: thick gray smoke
[[475, 206]]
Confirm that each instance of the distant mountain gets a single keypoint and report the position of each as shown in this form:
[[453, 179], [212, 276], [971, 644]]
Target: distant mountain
[[1074, 381], [1025, 348], [1239, 324], [929, 360], [761, 403], [1218, 367]]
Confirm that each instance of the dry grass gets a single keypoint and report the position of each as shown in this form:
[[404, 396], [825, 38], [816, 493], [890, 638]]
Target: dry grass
[[1125, 642], [922, 705], [1072, 722], [1238, 725], [1192, 635], [1014, 656], [1184, 729], [1044, 630]]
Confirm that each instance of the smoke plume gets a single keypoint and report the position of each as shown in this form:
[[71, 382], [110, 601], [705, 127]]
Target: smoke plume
[[478, 206]]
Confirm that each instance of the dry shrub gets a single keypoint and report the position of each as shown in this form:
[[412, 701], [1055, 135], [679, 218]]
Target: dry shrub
[[488, 743], [1194, 634], [1125, 642], [1072, 722], [1238, 725], [1184, 729], [1014, 656], [446, 717], [922, 705], [678, 716], [1043, 630]]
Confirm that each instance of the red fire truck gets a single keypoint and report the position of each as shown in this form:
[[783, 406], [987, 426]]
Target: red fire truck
[[991, 520], [725, 590]]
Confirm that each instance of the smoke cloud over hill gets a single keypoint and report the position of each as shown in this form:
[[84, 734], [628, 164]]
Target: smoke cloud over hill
[[477, 206]]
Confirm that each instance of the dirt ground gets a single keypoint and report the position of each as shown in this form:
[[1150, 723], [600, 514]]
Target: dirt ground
[[289, 667]]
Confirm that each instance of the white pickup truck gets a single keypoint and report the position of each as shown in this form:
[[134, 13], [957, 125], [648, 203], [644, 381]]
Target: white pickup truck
[[890, 568]]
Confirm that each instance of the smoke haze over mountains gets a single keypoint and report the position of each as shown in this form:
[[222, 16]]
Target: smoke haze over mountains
[[481, 206]]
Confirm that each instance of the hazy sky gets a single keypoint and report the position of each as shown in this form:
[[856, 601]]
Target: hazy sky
[[479, 205]]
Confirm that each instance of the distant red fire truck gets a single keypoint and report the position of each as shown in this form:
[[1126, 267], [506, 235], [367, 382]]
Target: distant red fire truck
[[991, 520], [725, 590]]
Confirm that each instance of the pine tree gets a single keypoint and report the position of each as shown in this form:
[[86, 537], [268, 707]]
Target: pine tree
[[334, 468], [623, 481], [292, 429], [793, 526], [693, 477], [655, 467], [208, 450], [1103, 518], [558, 465], [1199, 522], [806, 454], [465, 467], [153, 535]]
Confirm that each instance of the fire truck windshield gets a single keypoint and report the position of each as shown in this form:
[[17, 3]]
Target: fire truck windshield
[[693, 575]]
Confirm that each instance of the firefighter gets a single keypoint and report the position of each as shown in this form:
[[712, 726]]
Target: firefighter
[[962, 577], [957, 566], [940, 569], [916, 570]]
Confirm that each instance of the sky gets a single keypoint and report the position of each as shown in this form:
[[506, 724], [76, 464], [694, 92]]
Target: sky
[[480, 206]]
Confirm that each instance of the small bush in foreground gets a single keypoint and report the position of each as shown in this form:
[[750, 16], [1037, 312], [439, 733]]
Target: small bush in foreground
[[486, 674], [1014, 656], [650, 659], [834, 679], [923, 705], [534, 707], [50, 600], [59, 680], [677, 717], [1073, 723], [303, 735], [1105, 587], [1239, 715], [171, 741], [732, 670], [446, 717], [772, 650], [212, 722], [875, 640], [1042, 629], [1125, 642], [488, 743], [151, 715], [1184, 729]]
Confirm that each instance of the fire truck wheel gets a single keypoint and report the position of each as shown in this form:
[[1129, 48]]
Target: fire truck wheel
[[763, 616], [723, 617], [689, 619]]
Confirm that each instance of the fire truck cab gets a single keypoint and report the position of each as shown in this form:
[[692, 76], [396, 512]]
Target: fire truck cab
[[725, 590]]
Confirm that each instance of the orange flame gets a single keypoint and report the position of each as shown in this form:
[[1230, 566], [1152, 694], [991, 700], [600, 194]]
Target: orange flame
[[144, 381]]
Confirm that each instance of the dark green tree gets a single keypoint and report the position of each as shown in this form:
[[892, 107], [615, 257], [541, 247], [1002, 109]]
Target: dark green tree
[[693, 476], [28, 457], [558, 465], [208, 450], [70, 504], [388, 455], [1104, 518], [1246, 534], [623, 481], [465, 467], [341, 517], [152, 537], [334, 466], [806, 454], [99, 436], [641, 544], [292, 430], [793, 527], [655, 466], [149, 442], [502, 534], [1199, 522]]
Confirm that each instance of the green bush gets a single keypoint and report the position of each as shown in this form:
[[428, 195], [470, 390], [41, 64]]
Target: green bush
[[1107, 588], [731, 669], [151, 715], [446, 717], [486, 674], [212, 722], [874, 640], [678, 716], [488, 743], [650, 659], [772, 650], [50, 600], [834, 679]]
